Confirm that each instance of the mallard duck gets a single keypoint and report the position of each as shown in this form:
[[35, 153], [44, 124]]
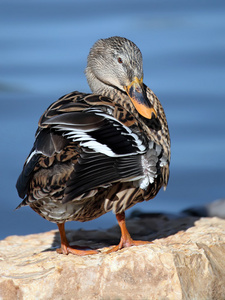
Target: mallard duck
[[99, 152]]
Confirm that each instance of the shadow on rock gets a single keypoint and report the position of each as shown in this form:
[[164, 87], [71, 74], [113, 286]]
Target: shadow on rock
[[142, 226]]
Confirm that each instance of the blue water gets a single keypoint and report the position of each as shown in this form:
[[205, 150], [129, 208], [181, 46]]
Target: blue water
[[43, 50]]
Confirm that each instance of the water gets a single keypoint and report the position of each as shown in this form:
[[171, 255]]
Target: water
[[43, 50]]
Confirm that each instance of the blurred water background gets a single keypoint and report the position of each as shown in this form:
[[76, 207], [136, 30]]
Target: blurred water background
[[43, 49]]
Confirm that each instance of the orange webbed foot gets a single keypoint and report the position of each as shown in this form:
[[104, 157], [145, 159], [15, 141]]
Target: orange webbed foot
[[127, 244], [68, 249], [126, 240]]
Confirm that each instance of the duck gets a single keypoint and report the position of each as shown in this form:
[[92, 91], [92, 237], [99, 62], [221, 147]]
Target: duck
[[99, 152]]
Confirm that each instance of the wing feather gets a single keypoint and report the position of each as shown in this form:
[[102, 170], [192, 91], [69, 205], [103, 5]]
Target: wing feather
[[93, 170], [109, 150], [101, 133]]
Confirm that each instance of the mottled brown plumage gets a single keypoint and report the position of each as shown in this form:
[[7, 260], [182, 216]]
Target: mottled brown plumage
[[96, 153]]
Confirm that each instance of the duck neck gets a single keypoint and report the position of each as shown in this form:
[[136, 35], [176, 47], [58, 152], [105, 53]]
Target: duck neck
[[99, 87], [96, 85]]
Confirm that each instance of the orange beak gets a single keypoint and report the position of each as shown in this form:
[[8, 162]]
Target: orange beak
[[135, 91]]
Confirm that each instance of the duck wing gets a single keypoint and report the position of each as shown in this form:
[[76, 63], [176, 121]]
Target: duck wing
[[106, 149], [110, 151]]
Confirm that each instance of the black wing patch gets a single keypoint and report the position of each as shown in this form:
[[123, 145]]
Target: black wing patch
[[94, 170], [47, 143], [25, 176], [101, 133]]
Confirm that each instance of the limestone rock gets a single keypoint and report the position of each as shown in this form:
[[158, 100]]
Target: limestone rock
[[185, 261], [212, 209]]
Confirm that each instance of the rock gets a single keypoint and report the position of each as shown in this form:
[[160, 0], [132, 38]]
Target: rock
[[213, 209], [185, 261]]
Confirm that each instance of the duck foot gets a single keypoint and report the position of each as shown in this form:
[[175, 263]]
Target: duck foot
[[66, 248], [122, 245], [126, 240]]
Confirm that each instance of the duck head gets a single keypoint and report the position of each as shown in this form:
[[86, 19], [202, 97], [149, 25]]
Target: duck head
[[116, 64]]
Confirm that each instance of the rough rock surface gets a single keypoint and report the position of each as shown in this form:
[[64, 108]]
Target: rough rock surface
[[185, 261]]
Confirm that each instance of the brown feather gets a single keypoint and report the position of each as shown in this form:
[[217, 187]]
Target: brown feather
[[47, 174]]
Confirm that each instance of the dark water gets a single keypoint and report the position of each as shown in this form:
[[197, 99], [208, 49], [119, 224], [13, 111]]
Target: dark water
[[43, 50]]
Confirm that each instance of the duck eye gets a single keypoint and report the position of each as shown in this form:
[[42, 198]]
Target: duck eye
[[120, 61]]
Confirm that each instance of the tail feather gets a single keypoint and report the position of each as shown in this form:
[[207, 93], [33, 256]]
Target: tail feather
[[23, 203]]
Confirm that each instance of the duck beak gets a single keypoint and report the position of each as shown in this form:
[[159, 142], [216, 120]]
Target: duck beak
[[135, 91]]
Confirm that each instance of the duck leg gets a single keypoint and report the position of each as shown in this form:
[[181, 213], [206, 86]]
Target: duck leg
[[126, 240], [66, 248]]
